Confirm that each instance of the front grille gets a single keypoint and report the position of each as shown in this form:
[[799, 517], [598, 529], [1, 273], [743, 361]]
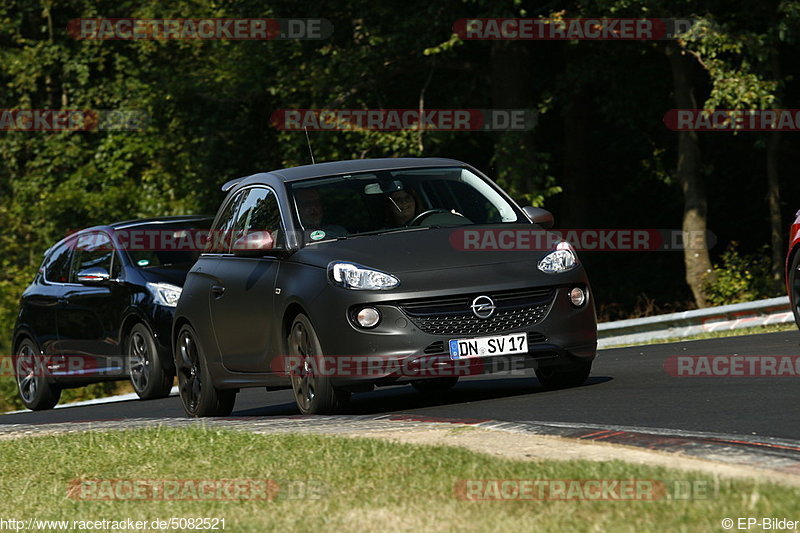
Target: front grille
[[438, 347], [452, 315]]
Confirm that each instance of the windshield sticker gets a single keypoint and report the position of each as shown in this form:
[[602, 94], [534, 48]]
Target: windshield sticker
[[143, 262], [317, 235]]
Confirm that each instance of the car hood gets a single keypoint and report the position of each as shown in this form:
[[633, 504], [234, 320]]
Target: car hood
[[433, 248], [174, 274]]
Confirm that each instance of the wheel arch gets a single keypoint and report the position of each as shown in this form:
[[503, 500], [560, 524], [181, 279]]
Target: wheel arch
[[289, 315]]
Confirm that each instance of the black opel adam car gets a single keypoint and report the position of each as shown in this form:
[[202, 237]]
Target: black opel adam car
[[100, 308], [337, 277]]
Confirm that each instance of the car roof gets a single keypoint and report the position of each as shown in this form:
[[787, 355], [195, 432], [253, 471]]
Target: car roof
[[333, 168], [156, 220], [126, 224]]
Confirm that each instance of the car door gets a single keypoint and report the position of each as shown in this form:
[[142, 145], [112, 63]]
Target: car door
[[242, 299], [42, 299], [89, 317]]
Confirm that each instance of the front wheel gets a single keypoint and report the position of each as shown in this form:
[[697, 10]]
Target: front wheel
[[149, 379], [198, 395], [560, 377], [794, 287], [36, 392], [313, 392]]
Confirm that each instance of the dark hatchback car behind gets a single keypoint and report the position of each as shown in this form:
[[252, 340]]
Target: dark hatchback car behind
[[101, 306]]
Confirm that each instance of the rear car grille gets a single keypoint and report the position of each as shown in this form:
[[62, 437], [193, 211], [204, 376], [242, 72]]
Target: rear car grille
[[453, 316]]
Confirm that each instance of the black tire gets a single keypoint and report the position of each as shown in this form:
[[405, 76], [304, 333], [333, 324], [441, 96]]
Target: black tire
[[313, 393], [148, 377], [560, 377], [198, 395], [794, 287], [33, 385], [435, 384]]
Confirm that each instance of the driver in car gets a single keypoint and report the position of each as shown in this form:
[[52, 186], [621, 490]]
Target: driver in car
[[309, 205], [402, 208]]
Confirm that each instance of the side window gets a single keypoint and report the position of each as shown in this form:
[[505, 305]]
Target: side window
[[259, 212], [56, 268], [219, 241], [91, 250], [116, 267]]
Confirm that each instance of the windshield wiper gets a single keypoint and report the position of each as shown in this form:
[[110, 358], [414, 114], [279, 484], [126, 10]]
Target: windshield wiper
[[387, 230]]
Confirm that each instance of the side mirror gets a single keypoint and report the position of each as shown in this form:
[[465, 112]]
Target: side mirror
[[540, 216], [93, 275], [255, 244]]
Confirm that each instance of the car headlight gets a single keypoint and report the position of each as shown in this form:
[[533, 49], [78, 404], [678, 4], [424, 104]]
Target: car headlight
[[165, 294], [357, 277], [562, 259]]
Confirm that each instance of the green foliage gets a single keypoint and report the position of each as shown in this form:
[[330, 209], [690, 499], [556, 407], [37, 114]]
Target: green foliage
[[741, 278], [209, 104]]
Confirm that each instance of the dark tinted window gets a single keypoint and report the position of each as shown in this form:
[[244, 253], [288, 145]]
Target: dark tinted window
[[220, 241], [56, 268], [258, 212], [157, 245], [91, 250], [116, 267]]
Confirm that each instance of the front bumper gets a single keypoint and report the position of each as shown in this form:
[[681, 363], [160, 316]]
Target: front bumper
[[400, 349]]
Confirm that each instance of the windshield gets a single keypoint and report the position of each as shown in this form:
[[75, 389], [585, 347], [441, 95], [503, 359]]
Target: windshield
[[392, 200], [161, 245]]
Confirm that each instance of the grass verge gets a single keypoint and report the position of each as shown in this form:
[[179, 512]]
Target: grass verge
[[356, 485]]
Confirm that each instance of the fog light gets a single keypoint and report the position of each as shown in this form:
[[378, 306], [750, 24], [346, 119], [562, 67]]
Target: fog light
[[368, 317], [577, 296]]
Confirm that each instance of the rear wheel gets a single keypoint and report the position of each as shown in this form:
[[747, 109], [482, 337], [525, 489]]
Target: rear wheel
[[434, 384], [313, 392], [36, 392], [148, 376], [198, 395], [794, 287], [559, 377]]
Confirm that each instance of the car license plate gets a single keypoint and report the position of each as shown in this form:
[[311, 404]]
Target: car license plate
[[489, 346]]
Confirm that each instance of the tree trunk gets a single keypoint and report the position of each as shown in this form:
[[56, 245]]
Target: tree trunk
[[774, 201], [514, 152], [774, 185], [696, 258]]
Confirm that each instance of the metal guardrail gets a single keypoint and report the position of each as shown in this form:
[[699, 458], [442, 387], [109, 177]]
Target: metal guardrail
[[687, 323]]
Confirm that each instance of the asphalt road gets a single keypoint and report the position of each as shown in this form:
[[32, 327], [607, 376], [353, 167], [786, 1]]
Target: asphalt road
[[628, 386]]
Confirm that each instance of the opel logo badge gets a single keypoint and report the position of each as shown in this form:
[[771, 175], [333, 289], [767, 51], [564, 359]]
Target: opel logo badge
[[483, 307]]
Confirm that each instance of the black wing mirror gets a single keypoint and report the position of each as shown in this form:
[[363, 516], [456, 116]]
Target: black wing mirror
[[540, 216], [255, 244]]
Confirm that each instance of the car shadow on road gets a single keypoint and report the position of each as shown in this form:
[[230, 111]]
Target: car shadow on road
[[403, 397]]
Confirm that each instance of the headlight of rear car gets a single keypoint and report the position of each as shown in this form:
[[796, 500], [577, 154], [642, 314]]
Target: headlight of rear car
[[165, 294], [357, 277], [562, 259]]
